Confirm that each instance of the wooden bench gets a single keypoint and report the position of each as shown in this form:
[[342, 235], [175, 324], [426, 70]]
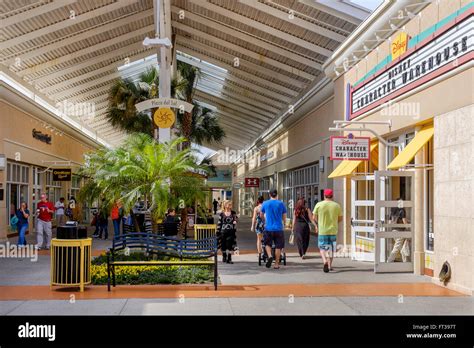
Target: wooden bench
[[189, 251]]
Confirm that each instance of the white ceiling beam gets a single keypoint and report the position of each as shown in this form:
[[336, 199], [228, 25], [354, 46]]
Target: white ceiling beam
[[263, 27], [84, 96], [111, 67], [228, 86], [142, 32], [238, 72], [234, 143], [229, 122], [114, 24], [244, 102], [243, 135], [66, 23], [238, 119], [223, 110], [237, 105], [98, 59], [226, 76], [228, 107], [71, 91], [245, 52], [338, 9], [234, 32], [247, 95], [315, 28], [37, 11]]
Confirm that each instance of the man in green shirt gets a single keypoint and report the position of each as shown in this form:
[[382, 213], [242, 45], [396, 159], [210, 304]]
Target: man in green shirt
[[327, 214]]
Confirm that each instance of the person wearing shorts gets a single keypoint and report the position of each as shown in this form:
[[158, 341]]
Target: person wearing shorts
[[257, 224], [327, 214], [274, 213]]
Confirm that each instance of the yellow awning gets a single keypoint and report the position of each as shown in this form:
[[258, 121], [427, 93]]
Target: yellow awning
[[347, 167], [420, 139]]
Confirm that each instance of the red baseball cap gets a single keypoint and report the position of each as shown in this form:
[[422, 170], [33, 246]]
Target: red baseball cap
[[328, 192]]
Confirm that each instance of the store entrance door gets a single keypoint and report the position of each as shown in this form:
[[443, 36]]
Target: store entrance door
[[394, 215], [362, 217]]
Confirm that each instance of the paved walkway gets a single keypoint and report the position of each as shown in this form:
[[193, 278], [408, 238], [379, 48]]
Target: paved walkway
[[245, 288]]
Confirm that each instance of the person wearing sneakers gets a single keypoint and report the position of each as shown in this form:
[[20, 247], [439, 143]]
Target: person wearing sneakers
[[45, 210], [274, 213], [327, 214]]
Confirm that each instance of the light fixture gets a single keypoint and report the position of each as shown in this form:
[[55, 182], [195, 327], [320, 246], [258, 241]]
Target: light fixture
[[393, 26], [157, 42], [366, 49], [410, 14], [2, 162]]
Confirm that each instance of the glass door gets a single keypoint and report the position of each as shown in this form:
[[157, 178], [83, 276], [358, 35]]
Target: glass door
[[362, 220], [394, 214]]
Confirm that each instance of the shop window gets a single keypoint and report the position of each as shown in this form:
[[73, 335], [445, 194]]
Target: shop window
[[301, 183], [17, 187]]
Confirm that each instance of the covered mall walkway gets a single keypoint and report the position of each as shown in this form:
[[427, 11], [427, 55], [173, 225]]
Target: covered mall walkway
[[276, 75]]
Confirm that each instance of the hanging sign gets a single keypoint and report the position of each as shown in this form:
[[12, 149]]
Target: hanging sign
[[164, 103], [164, 117], [350, 148], [62, 174], [252, 182], [450, 47]]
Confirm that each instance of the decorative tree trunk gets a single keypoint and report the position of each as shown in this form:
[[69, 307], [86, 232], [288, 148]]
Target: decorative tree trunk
[[187, 129], [154, 128]]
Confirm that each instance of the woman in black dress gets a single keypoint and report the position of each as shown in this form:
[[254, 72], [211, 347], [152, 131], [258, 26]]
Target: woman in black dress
[[302, 217], [226, 228]]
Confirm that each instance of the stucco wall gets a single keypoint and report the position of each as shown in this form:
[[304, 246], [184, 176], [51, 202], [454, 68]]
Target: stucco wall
[[454, 193]]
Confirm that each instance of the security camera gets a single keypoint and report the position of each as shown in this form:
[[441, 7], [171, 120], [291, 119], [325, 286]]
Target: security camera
[[157, 42]]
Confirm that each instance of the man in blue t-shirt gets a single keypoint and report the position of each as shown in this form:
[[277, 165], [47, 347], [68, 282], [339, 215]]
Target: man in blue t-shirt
[[274, 213]]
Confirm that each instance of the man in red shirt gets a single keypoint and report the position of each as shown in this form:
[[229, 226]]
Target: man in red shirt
[[44, 211]]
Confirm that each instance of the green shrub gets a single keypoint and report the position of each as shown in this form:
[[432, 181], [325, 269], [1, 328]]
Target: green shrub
[[149, 274]]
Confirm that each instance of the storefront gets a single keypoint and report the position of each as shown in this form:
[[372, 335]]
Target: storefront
[[31, 148], [294, 159], [407, 95]]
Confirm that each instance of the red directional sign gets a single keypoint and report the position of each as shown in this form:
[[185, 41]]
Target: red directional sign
[[252, 182]]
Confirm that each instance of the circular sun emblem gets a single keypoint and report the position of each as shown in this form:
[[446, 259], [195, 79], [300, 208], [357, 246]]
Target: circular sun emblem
[[164, 117]]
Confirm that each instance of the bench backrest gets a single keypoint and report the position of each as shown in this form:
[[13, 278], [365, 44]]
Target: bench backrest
[[204, 231], [155, 244], [168, 228]]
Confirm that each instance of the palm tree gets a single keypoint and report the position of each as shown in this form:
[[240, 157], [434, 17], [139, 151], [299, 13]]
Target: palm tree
[[198, 126], [142, 168]]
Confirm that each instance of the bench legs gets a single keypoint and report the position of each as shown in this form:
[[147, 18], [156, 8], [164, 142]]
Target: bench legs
[[108, 272], [215, 271], [113, 275]]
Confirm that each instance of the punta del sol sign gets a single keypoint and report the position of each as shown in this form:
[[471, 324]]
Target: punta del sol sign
[[164, 103]]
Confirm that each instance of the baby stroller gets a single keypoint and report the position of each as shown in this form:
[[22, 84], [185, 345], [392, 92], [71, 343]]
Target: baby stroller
[[263, 257]]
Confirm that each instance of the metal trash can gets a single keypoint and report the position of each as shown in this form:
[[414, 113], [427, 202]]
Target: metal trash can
[[71, 262]]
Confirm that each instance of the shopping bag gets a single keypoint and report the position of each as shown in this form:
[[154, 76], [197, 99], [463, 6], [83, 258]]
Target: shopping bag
[[291, 240]]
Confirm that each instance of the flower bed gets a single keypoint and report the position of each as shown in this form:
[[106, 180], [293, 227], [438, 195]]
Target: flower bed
[[133, 275]]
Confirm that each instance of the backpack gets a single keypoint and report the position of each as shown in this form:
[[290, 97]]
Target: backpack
[[13, 221]]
